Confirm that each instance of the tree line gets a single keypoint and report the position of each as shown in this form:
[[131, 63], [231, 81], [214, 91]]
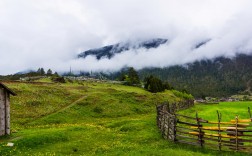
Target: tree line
[[150, 83]]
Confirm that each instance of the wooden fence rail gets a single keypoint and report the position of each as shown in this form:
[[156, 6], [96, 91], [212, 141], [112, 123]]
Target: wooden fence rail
[[235, 135]]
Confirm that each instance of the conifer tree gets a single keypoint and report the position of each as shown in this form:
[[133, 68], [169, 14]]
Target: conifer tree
[[49, 72]]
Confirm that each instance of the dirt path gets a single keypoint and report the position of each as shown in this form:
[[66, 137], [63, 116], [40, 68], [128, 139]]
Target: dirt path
[[62, 109], [68, 106]]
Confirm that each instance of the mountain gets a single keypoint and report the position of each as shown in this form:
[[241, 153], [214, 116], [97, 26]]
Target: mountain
[[110, 50], [218, 77]]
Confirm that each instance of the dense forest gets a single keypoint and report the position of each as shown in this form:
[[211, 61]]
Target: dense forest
[[219, 77]]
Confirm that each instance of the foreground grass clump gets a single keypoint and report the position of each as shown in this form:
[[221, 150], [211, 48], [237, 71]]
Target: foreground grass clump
[[88, 118]]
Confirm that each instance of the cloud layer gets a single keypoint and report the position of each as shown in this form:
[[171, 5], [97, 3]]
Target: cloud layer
[[50, 33]]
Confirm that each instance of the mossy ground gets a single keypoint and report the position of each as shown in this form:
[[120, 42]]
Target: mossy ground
[[89, 118]]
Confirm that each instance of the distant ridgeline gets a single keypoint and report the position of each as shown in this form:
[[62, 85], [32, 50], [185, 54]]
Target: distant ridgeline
[[110, 50], [219, 77]]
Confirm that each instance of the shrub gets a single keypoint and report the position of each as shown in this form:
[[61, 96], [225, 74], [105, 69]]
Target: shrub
[[182, 94], [59, 79]]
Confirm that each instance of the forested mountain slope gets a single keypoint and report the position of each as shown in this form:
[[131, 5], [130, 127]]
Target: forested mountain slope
[[219, 77]]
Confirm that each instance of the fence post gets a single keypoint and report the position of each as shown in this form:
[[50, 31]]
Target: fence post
[[174, 130], [219, 130], [236, 132], [249, 113], [163, 120], [200, 136]]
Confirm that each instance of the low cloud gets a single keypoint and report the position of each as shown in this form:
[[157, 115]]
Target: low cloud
[[50, 34]]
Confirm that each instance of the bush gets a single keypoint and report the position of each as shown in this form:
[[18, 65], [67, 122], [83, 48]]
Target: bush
[[59, 79], [182, 94]]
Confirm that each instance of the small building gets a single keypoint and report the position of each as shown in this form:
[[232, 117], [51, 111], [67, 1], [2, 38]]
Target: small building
[[5, 93]]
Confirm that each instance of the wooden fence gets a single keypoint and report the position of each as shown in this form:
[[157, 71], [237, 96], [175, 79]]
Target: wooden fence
[[235, 135]]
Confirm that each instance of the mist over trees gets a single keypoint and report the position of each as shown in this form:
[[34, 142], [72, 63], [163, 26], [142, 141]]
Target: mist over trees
[[220, 77]]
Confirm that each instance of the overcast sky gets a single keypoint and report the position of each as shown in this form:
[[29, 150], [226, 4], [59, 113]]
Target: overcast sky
[[50, 33]]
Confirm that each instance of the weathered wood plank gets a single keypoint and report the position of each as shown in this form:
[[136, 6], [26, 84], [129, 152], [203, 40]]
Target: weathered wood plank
[[186, 128], [7, 112], [217, 128], [187, 123], [213, 135], [229, 123], [242, 121], [2, 111], [186, 137]]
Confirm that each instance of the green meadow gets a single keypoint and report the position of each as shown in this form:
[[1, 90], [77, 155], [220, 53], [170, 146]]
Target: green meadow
[[97, 118], [229, 110]]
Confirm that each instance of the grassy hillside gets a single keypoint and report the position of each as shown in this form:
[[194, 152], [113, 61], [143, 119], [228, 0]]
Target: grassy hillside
[[88, 118]]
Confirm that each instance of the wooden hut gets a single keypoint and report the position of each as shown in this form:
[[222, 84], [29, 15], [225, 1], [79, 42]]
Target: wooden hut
[[5, 93]]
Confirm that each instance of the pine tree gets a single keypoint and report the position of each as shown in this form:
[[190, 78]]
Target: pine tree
[[56, 74], [49, 72], [39, 71], [42, 71], [133, 76]]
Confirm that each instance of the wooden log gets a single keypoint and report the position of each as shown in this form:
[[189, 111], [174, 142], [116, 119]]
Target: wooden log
[[2, 111], [238, 141], [187, 123], [213, 135], [243, 140], [187, 136], [186, 128], [244, 130], [234, 146], [217, 128], [213, 139], [242, 121], [187, 133], [229, 123], [232, 133]]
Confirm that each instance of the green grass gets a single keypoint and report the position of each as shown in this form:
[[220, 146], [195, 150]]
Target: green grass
[[91, 118], [229, 110]]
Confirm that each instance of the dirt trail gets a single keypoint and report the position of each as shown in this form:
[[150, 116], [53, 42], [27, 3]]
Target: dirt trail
[[69, 106], [60, 110]]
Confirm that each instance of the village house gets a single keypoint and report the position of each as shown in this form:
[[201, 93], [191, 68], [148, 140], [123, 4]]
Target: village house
[[5, 93]]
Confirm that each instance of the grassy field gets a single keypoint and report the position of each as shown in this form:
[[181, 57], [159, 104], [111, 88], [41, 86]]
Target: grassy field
[[91, 118], [229, 110]]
